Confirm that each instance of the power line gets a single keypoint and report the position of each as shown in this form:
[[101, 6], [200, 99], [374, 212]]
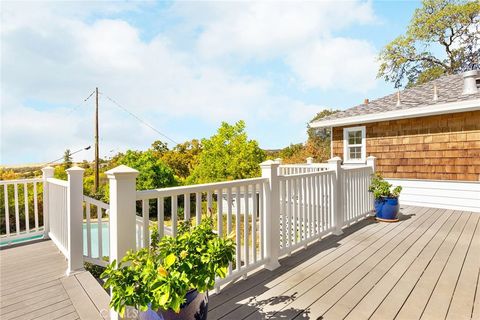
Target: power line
[[78, 105], [72, 153], [139, 119]]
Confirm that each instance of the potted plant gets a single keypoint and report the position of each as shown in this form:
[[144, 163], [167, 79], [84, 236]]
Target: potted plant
[[170, 279], [386, 198]]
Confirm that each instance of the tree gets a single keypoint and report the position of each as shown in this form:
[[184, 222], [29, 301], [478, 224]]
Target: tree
[[160, 147], [228, 155], [183, 158], [67, 159], [442, 38], [153, 172]]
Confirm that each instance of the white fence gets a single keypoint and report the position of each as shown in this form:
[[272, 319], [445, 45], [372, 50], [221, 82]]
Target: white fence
[[57, 209], [95, 231], [22, 214], [289, 169], [357, 201]]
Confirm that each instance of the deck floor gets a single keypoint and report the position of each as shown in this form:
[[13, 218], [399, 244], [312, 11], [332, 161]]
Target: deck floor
[[424, 267], [33, 285]]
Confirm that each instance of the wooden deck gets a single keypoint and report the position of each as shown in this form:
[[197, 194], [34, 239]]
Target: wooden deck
[[424, 267], [34, 286]]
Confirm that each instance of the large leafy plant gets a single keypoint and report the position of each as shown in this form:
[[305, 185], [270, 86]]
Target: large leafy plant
[[160, 276], [382, 188]]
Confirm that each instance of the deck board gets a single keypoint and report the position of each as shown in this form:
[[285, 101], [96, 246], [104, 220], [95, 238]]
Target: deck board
[[425, 265], [33, 285]]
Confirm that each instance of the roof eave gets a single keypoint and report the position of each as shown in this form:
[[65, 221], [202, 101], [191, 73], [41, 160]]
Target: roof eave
[[452, 107]]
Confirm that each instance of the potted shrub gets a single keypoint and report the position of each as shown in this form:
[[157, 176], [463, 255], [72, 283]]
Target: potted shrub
[[170, 279], [386, 198]]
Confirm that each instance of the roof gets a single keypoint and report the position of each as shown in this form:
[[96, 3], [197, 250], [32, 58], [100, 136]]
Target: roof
[[449, 91]]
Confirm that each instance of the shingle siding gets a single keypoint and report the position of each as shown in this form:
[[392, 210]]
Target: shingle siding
[[444, 147]]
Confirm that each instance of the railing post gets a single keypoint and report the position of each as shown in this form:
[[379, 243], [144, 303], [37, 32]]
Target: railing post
[[371, 162], [122, 181], [309, 160], [337, 195], [272, 213], [75, 219], [47, 172]]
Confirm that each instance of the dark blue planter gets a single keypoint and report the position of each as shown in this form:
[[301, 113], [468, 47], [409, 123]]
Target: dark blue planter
[[195, 308], [387, 208]]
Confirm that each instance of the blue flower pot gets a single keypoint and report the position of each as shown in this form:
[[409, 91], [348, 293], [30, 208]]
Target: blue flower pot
[[387, 208], [194, 308]]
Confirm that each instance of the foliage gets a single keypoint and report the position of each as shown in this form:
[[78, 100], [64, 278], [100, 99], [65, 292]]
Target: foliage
[[153, 172], [67, 159], [382, 188], [442, 38], [183, 158], [317, 145], [228, 155], [161, 276], [159, 147]]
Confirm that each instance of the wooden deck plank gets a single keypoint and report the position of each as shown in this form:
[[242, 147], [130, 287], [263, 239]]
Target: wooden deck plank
[[410, 247], [293, 264], [97, 294], [437, 306], [326, 271], [60, 313], [461, 306], [80, 300], [369, 302], [328, 292], [31, 308], [12, 299]]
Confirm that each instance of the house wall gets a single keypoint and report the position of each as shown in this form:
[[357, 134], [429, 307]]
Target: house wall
[[443, 147]]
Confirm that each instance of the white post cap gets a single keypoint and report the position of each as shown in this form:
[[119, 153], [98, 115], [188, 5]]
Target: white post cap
[[122, 172], [75, 170]]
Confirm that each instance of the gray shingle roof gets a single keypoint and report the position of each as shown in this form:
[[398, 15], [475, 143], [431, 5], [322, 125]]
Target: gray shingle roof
[[449, 89]]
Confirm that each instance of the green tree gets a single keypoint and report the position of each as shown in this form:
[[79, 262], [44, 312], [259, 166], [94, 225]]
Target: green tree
[[228, 155], [153, 172], [67, 159], [442, 38], [183, 158], [159, 147]]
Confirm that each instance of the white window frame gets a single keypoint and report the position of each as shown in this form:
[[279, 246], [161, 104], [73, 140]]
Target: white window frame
[[363, 145]]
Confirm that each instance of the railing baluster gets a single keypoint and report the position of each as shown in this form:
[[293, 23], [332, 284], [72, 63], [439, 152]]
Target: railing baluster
[[254, 222], [27, 218], [100, 231], [174, 215], [282, 212], [35, 204], [237, 229], [89, 231], [7, 213], [198, 207], [245, 226], [186, 206], [288, 186], [146, 222], [295, 210], [303, 202], [160, 217], [17, 215], [220, 212], [261, 214], [229, 219]]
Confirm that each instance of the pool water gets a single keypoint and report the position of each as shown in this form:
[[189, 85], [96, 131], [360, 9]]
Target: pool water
[[94, 239]]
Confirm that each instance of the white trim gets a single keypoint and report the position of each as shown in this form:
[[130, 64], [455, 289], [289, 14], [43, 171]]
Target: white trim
[[455, 195], [363, 145], [453, 107]]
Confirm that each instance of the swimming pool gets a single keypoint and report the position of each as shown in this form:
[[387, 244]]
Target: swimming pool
[[94, 239]]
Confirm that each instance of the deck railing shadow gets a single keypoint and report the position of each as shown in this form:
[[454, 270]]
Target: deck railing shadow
[[244, 293]]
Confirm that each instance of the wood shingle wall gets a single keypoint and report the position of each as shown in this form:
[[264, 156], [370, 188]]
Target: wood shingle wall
[[444, 147]]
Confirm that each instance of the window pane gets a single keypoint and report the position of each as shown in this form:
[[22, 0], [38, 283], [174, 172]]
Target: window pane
[[355, 152], [355, 137]]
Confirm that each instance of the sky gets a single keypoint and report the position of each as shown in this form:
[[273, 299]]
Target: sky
[[183, 68]]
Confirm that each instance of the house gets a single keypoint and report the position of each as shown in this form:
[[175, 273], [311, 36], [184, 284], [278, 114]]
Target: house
[[426, 139]]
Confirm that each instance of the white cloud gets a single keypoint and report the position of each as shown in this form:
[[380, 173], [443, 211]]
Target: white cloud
[[340, 63]]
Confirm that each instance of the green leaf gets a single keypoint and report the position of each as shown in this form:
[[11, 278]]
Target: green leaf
[[169, 260]]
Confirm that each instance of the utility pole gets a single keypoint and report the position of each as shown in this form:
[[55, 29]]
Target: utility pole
[[95, 186]]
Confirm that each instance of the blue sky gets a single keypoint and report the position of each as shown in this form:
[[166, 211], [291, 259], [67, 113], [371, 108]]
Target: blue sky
[[183, 67]]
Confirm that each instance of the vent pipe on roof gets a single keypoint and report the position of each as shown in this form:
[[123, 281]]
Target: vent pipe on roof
[[366, 101], [435, 93], [398, 99], [470, 82]]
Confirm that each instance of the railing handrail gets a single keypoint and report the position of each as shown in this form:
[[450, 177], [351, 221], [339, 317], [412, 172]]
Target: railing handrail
[[30, 180], [96, 202], [304, 165], [175, 191], [302, 175], [358, 168], [58, 182]]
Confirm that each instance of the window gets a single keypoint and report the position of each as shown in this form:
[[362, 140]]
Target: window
[[354, 149]]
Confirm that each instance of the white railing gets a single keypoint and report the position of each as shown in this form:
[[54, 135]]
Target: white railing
[[288, 169], [356, 200], [21, 210], [236, 206], [305, 208], [95, 231], [57, 209]]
